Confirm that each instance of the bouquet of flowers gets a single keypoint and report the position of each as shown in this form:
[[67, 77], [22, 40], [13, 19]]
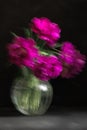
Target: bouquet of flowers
[[41, 53], [41, 57]]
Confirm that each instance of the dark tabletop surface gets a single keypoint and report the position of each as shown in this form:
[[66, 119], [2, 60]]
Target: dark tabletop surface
[[57, 119]]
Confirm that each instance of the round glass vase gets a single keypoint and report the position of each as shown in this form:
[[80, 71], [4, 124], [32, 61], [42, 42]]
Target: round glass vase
[[30, 95]]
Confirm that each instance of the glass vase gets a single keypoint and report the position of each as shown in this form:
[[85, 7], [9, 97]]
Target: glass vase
[[30, 95]]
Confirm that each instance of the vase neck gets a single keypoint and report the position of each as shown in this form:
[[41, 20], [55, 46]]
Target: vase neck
[[27, 73]]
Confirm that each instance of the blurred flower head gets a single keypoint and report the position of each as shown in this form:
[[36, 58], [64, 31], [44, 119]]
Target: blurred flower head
[[23, 51], [47, 67], [46, 30]]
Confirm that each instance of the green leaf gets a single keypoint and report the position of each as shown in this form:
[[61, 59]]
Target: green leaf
[[14, 34], [57, 45], [27, 32]]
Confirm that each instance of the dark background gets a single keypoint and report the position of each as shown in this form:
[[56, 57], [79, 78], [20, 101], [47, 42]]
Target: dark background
[[71, 15]]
